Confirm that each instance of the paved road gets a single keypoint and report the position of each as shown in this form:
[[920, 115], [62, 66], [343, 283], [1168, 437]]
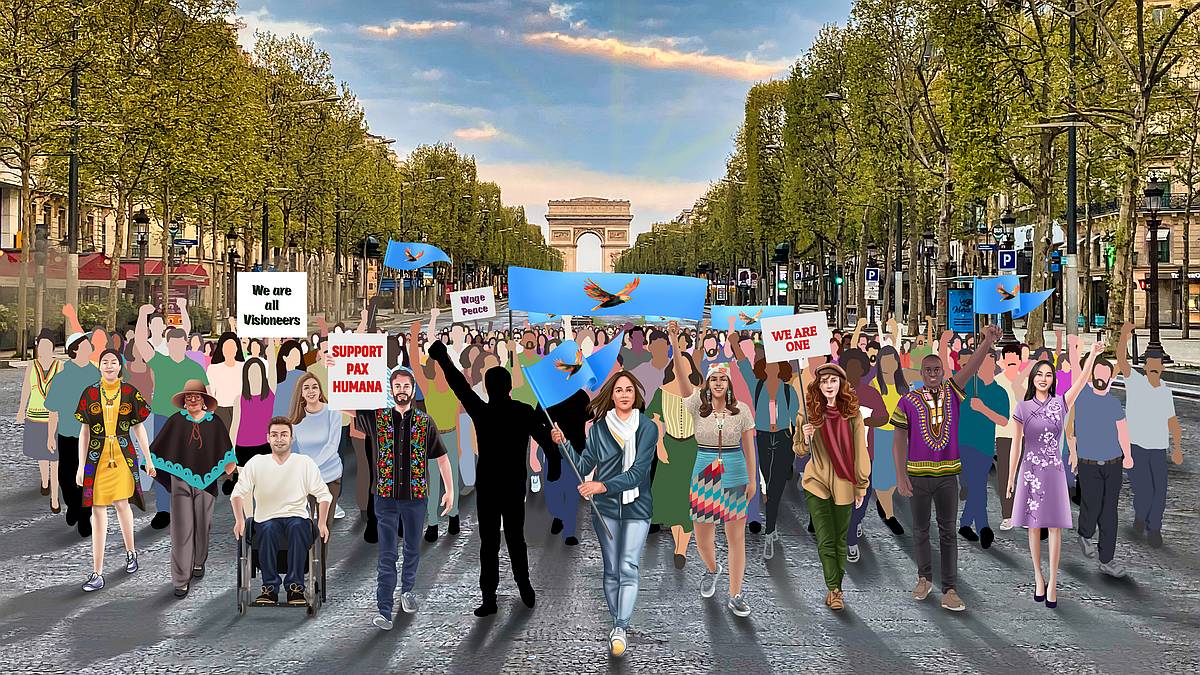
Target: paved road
[[1147, 624]]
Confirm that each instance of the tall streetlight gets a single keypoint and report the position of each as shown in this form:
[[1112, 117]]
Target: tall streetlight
[[141, 223], [230, 260], [1154, 348]]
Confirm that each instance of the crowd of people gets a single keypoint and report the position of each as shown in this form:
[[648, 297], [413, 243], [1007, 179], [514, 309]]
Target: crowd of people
[[692, 429]]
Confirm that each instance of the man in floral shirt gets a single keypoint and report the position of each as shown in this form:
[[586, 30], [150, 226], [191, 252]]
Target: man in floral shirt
[[400, 439]]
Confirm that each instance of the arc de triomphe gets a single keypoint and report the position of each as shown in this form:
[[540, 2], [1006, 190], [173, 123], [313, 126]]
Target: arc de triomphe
[[570, 219]]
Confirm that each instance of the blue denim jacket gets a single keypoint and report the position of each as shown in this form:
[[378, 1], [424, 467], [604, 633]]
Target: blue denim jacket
[[603, 454]]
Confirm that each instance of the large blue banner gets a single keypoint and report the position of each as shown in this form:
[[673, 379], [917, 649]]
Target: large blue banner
[[749, 317], [997, 295], [409, 256], [584, 294], [1031, 301], [565, 371]]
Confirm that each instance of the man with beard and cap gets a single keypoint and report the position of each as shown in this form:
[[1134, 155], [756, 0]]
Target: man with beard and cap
[[503, 429], [1151, 412], [400, 440], [1099, 445]]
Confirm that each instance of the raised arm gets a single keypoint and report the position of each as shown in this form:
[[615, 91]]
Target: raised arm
[[858, 326], [929, 330], [141, 334], [894, 329], [943, 351], [1084, 376], [69, 313], [568, 332], [364, 317], [685, 385], [735, 342], [962, 377], [1122, 346], [1072, 352], [185, 319], [414, 354]]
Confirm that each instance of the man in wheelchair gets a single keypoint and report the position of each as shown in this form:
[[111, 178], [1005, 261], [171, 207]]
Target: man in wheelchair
[[280, 484]]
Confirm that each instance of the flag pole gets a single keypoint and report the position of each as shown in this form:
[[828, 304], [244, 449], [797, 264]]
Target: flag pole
[[571, 461]]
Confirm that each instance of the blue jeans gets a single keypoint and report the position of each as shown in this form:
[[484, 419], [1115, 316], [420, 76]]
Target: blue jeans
[[1148, 478], [975, 468], [622, 557], [270, 534], [562, 499], [162, 493], [389, 512]]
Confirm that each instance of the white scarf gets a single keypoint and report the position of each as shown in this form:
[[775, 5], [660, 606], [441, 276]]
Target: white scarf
[[626, 434]]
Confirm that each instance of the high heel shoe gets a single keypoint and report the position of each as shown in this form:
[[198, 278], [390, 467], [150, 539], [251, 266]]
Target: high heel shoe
[[1051, 603], [1036, 597]]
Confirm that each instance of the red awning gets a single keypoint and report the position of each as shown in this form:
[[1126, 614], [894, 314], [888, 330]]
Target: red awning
[[92, 266], [186, 274]]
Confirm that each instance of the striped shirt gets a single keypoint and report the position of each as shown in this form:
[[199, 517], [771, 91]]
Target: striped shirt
[[931, 421]]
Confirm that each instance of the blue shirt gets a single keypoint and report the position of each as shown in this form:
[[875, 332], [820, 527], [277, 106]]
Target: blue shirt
[[975, 430], [787, 403], [66, 388], [1096, 417]]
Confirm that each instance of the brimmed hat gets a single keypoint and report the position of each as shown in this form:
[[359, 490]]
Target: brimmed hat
[[73, 338], [194, 387], [829, 368]]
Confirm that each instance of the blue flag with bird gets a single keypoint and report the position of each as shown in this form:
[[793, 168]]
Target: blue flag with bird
[[749, 317], [996, 295], [536, 318], [565, 371], [1031, 301], [408, 256], [608, 294]]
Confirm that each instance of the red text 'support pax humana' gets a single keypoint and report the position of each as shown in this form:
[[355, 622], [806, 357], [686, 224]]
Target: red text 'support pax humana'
[[357, 351]]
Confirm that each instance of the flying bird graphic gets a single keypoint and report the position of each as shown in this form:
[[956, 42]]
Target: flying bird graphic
[[1006, 294], [607, 299], [570, 368], [749, 320], [411, 257]]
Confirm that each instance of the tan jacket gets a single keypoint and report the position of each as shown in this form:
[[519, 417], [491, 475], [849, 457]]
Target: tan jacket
[[819, 477]]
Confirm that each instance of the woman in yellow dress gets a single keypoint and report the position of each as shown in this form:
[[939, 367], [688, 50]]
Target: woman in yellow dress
[[109, 412]]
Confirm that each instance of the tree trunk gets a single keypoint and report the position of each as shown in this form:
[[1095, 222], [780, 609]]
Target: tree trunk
[[115, 273], [885, 282], [166, 254], [1120, 303], [860, 277], [24, 208], [916, 297]]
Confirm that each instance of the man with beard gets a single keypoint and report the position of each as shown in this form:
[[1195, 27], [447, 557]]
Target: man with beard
[[400, 439], [1099, 450], [1151, 411], [503, 429]]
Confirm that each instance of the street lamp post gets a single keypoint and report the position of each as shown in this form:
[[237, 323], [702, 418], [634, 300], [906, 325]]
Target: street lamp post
[[929, 249], [141, 222], [1154, 348], [1007, 227]]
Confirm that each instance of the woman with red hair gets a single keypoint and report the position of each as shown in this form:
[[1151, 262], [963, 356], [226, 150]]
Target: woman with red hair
[[839, 468]]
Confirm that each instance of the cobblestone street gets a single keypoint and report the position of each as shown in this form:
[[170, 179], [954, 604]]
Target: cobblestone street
[[1145, 624]]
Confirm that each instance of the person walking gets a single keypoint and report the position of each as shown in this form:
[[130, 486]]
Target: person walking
[[63, 430], [34, 418]]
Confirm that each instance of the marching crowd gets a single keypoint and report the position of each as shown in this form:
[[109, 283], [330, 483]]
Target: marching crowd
[[693, 429]]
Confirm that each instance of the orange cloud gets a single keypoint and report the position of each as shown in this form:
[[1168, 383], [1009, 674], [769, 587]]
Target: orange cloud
[[413, 28], [486, 132], [657, 58]]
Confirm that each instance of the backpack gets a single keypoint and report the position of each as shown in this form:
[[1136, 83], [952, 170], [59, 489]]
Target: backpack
[[787, 398]]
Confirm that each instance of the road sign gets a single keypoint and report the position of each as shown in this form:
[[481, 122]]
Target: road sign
[[986, 247], [871, 289], [185, 242], [1008, 260], [873, 275]]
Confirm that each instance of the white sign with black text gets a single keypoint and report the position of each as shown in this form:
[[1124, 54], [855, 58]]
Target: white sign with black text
[[472, 304], [272, 304]]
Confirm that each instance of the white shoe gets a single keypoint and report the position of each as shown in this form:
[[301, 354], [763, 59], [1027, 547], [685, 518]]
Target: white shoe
[[338, 513], [708, 582], [617, 642], [535, 483], [1006, 525]]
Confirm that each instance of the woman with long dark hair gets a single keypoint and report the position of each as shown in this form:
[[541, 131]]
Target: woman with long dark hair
[[724, 477], [839, 468], [251, 416], [109, 412], [676, 457], [891, 385], [225, 377], [619, 448], [1040, 499], [289, 367]]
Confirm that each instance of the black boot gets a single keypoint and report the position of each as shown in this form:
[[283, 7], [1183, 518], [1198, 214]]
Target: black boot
[[453, 529], [556, 526], [431, 533], [161, 520]]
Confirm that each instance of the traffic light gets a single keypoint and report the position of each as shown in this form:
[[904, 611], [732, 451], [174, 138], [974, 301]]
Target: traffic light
[[783, 252], [838, 277]]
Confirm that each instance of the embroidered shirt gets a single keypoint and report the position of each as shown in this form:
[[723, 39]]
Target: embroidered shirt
[[930, 418], [401, 445]]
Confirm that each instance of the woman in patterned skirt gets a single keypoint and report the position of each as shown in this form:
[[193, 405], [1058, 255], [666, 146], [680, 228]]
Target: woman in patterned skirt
[[34, 416], [724, 479], [1041, 499], [109, 411]]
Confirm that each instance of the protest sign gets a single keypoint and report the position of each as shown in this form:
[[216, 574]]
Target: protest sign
[[359, 372], [795, 336], [272, 304], [472, 304], [962, 310]]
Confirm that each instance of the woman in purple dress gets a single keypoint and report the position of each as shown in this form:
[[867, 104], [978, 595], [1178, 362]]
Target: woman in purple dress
[[1041, 497]]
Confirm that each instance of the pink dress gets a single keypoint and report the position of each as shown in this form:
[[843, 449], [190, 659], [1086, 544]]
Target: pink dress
[[1040, 498]]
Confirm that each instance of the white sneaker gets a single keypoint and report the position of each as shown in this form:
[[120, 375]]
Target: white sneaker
[[535, 483], [617, 642], [708, 582], [382, 622], [852, 553], [1006, 525], [408, 602], [338, 513]]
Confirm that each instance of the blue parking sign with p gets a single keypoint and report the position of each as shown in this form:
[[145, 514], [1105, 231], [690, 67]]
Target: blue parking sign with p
[[1008, 260], [872, 274]]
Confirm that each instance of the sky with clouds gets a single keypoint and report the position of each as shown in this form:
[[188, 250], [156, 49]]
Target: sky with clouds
[[630, 99]]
